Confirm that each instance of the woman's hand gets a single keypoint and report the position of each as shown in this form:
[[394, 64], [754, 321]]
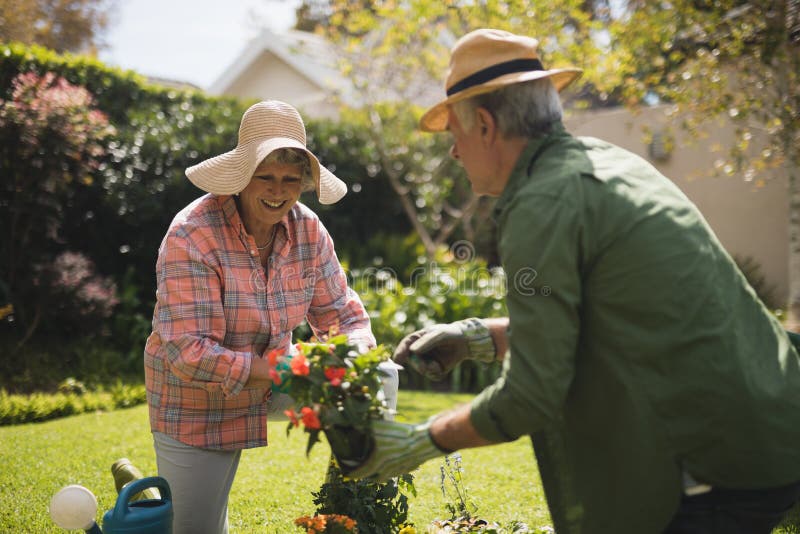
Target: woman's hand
[[259, 374]]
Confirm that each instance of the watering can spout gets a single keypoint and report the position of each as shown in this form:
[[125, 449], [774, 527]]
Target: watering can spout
[[124, 472]]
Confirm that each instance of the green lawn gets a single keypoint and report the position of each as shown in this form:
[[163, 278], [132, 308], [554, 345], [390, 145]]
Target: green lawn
[[273, 485]]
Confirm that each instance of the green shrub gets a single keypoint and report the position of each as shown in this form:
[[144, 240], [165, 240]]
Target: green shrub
[[46, 364], [454, 286], [116, 213], [16, 409], [378, 508]]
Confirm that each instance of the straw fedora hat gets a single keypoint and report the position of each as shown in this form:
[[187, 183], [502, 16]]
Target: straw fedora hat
[[486, 60], [265, 127]]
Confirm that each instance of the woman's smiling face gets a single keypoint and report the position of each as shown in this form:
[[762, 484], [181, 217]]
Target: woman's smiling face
[[271, 193]]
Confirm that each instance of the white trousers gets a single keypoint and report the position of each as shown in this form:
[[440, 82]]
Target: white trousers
[[200, 481]]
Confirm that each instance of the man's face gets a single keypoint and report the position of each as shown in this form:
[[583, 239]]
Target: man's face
[[472, 152]]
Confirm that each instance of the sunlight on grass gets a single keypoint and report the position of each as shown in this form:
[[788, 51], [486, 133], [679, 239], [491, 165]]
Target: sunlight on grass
[[273, 485]]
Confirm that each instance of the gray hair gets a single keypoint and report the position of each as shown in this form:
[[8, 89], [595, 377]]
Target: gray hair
[[526, 109], [295, 156]]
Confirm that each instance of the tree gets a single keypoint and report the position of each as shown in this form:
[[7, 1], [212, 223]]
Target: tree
[[61, 25], [395, 55]]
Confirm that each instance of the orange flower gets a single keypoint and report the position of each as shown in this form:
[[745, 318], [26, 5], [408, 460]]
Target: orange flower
[[310, 419], [292, 417], [300, 365], [335, 375], [272, 357], [275, 376]]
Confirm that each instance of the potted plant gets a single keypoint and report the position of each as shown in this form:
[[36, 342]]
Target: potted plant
[[337, 392]]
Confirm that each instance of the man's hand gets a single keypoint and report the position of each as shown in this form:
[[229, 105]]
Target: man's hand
[[434, 351], [399, 449]]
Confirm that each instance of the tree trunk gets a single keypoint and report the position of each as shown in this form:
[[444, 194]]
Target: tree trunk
[[786, 81], [793, 307]]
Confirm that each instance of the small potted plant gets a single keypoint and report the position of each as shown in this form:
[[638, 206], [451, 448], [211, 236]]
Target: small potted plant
[[337, 391]]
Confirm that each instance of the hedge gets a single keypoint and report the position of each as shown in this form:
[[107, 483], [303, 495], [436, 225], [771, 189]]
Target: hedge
[[36, 407]]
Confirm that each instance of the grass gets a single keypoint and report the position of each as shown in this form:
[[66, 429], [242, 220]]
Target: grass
[[273, 485]]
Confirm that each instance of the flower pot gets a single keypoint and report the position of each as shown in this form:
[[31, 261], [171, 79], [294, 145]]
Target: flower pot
[[350, 446]]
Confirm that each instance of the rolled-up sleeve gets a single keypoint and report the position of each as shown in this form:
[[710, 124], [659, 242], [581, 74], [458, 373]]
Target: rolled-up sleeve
[[539, 240], [192, 321], [334, 303]]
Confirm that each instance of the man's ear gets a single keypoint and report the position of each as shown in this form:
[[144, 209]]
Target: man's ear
[[487, 124]]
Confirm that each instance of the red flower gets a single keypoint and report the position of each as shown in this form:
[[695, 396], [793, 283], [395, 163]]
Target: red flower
[[335, 375], [275, 376], [292, 417], [300, 365], [310, 419], [273, 356]]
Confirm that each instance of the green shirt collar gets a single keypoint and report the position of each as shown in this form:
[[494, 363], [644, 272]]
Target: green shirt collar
[[520, 172]]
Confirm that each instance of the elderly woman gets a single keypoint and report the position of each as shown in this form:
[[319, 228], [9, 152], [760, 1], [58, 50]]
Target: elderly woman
[[238, 270]]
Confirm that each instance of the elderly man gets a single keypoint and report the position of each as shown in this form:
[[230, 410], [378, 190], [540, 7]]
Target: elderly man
[[660, 394]]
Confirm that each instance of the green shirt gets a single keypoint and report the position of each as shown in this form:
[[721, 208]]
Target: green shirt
[[635, 339]]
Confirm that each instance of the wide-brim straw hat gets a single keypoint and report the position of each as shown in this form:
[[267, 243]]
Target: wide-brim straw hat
[[265, 127], [486, 60]]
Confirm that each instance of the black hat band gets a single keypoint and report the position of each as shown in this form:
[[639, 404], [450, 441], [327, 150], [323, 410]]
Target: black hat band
[[495, 71]]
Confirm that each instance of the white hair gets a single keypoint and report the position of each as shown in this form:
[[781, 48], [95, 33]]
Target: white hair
[[526, 109]]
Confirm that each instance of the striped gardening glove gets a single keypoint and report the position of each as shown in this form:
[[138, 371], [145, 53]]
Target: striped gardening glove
[[434, 351], [399, 448]]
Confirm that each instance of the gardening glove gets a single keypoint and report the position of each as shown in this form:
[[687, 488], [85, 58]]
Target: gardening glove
[[434, 351], [398, 449]]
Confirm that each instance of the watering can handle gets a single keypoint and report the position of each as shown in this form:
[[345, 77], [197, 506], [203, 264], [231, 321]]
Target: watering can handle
[[141, 484]]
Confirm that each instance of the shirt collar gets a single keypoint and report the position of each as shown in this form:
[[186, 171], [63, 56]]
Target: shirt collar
[[228, 205], [522, 168]]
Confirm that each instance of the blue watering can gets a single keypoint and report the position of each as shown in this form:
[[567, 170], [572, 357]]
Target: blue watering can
[[150, 516], [75, 507]]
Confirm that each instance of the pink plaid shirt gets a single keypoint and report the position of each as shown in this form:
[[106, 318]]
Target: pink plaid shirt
[[217, 309]]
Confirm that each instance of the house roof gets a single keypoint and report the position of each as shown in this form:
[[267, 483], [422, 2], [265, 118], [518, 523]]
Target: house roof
[[310, 55]]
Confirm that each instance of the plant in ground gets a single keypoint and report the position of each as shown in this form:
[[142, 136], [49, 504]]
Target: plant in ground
[[378, 508], [327, 524], [462, 510]]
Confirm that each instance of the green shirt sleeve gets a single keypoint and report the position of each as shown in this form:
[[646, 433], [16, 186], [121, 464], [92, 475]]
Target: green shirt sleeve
[[539, 240]]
